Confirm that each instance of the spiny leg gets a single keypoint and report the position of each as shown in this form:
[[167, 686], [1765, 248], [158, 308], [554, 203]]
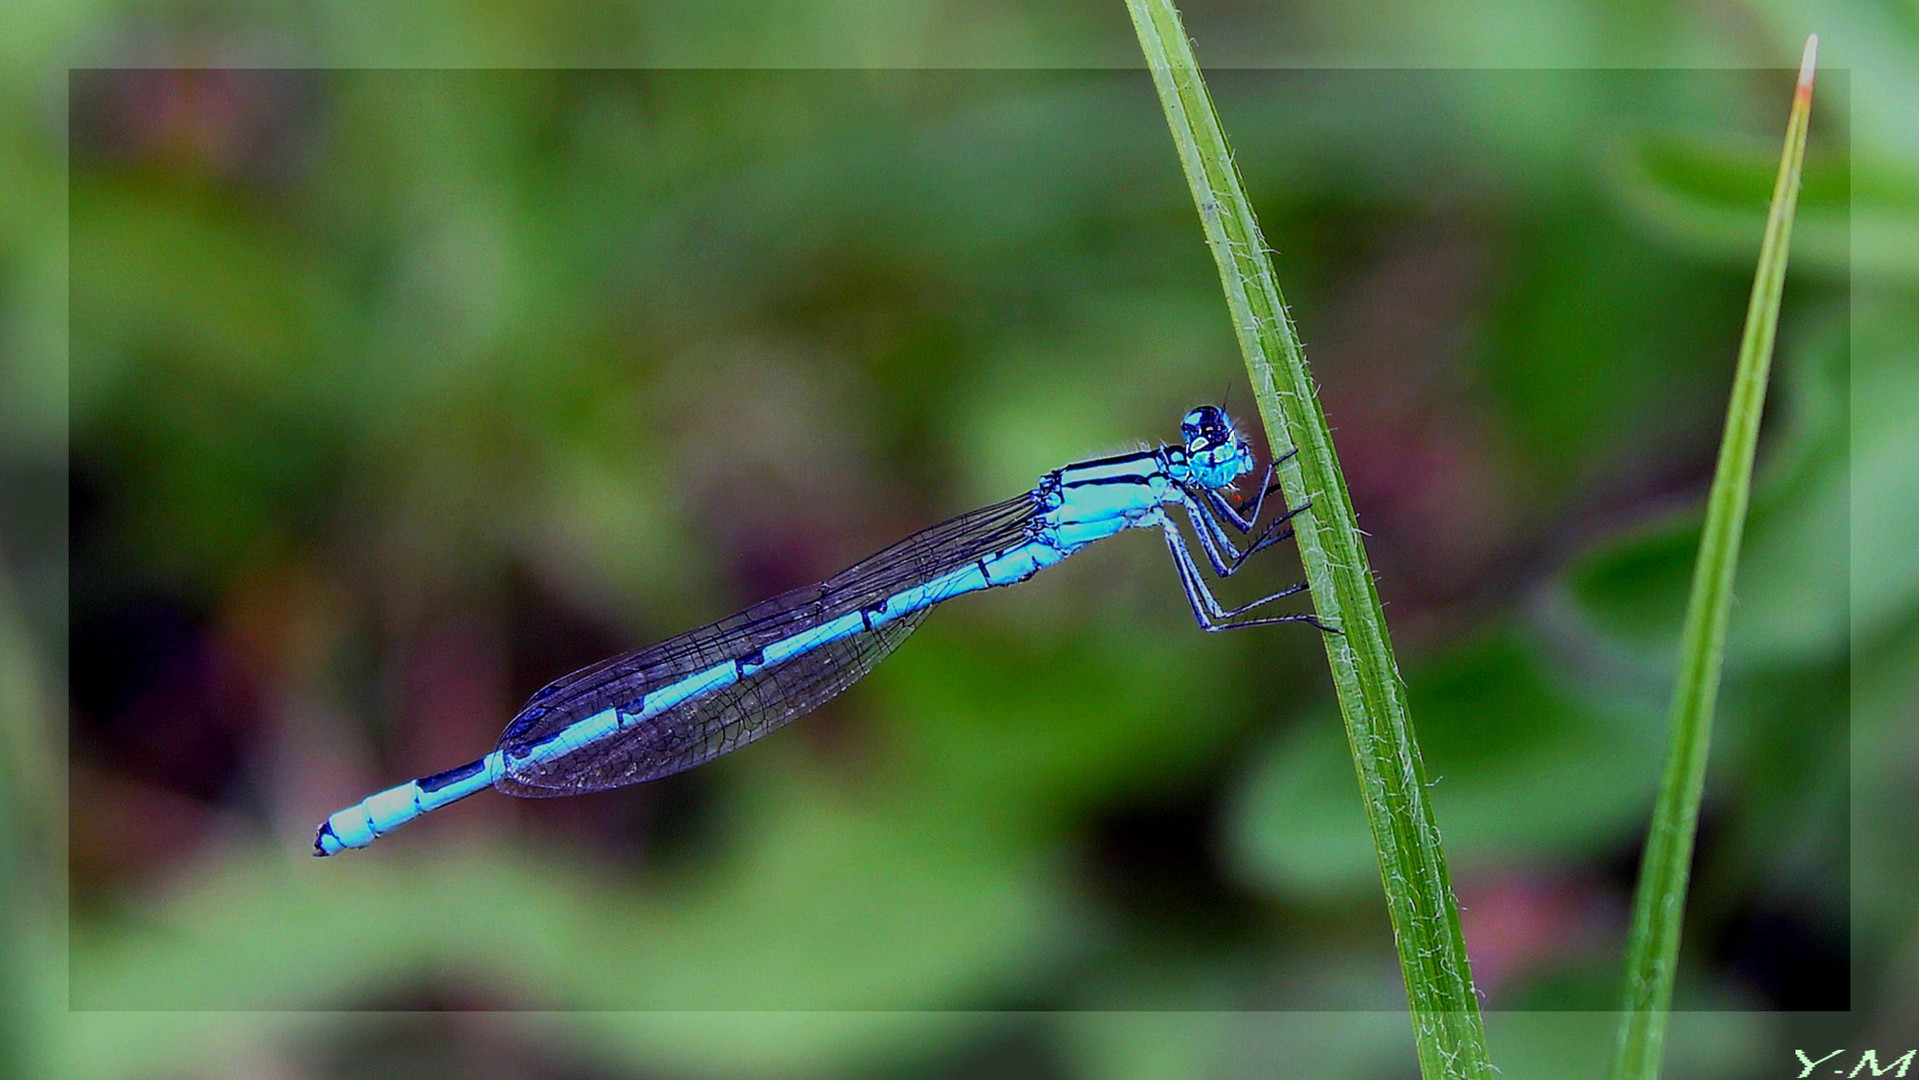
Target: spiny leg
[[1237, 515], [1220, 551], [1213, 534], [1206, 610], [1190, 570], [1194, 591], [1221, 509], [1213, 539], [1267, 486], [1274, 534]]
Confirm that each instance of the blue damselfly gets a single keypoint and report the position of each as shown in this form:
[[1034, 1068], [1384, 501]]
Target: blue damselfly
[[683, 702]]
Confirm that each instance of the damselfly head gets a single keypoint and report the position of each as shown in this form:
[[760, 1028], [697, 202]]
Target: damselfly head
[[1214, 451]]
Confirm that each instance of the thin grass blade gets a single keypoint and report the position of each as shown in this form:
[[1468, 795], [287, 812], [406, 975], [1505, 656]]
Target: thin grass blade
[[1652, 950], [1448, 1032]]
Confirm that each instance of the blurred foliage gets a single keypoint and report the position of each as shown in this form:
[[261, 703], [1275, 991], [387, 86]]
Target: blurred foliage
[[396, 393], [1538, 770]]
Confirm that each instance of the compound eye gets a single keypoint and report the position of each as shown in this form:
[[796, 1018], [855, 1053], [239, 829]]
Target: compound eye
[[1206, 421]]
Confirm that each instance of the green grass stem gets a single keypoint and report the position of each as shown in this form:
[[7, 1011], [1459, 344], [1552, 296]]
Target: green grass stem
[[1659, 905], [1448, 1033]]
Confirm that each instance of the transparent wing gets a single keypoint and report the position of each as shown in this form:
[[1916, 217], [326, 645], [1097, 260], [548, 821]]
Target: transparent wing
[[697, 731], [705, 727]]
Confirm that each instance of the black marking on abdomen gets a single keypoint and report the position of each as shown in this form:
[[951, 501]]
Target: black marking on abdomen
[[451, 776]]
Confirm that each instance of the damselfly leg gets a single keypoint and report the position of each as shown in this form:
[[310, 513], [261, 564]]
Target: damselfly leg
[[1207, 610], [1210, 513], [1239, 516], [1217, 545]]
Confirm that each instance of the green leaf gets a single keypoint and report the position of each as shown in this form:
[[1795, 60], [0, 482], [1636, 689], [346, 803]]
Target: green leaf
[[1704, 193], [1792, 577], [1412, 866], [1652, 952]]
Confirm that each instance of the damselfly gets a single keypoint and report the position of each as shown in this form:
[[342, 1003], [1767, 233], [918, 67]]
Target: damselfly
[[689, 699]]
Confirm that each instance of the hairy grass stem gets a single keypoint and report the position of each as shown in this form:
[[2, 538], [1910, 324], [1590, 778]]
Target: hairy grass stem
[[1448, 1033]]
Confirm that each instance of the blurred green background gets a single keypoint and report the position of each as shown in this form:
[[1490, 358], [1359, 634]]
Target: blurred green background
[[391, 395]]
